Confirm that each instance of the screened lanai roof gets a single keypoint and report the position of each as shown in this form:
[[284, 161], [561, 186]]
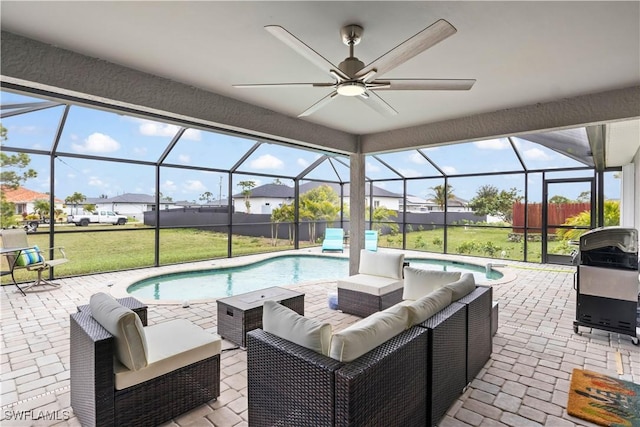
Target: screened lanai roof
[[84, 137]]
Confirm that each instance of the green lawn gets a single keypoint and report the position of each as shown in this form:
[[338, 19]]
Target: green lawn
[[93, 250]]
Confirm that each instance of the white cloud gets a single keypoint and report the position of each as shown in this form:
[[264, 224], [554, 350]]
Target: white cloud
[[168, 186], [140, 151], [184, 158], [492, 144], [535, 154], [193, 185], [97, 143], [372, 168], [449, 170], [409, 172], [302, 162], [94, 181], [192, 135], [267, 161], [417, 158], [149, 128]]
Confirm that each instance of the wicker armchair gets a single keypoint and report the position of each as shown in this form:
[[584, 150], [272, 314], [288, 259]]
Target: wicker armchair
[[290, 385], [95, 400]]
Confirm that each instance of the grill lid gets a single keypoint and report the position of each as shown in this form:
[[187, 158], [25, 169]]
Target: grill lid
[[625, 239]]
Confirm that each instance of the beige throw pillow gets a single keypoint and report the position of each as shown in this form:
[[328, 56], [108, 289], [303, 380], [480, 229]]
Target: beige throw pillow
[[419, 282], [462, 287], [286, 323], [384, 264], [125, 326], [425, 307], [368, 333]]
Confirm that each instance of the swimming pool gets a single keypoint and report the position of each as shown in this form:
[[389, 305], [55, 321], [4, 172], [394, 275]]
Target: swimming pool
[[277, 271]]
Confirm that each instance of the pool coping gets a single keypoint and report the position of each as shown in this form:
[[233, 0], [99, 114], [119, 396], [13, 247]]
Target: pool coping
[[120, 290]]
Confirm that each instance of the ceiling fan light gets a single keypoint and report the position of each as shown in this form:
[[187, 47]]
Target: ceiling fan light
[[351, 88]]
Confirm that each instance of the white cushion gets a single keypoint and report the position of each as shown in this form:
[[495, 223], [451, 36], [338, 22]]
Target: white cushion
[[419, 282], [172, 345], [385, 264], [286, 323], [462, 287], [368, 333], [425, 307], [374, 285], [125, 326]]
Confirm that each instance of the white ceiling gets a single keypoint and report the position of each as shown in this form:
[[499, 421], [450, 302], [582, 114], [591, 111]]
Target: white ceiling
[[520, 53]]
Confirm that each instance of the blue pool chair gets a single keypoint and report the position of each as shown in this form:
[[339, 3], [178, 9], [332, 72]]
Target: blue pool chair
[[333, 240], [371, 240]]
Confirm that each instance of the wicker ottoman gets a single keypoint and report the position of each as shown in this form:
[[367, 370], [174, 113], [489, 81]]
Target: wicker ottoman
[[363, 295]]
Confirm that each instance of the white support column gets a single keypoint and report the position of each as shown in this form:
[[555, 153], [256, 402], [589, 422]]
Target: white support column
[[356, 210], [628, 197]]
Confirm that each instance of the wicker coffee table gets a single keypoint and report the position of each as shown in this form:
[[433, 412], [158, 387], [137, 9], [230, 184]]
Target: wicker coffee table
[[242, 313]]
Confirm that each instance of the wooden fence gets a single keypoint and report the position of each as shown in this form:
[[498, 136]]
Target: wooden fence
[[557, 214]]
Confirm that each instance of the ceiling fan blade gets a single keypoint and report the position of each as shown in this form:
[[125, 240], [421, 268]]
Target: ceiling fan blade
[[263, 85], [311, 55], [406, 50], [318, 105], [423, 84], [380, 105]]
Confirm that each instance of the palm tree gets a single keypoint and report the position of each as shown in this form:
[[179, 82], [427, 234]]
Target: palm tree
[[41, 208], [246, 192], [75, 199], [442, 195]]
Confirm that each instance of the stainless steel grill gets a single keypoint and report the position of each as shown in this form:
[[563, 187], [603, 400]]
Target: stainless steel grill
[[607, 281]]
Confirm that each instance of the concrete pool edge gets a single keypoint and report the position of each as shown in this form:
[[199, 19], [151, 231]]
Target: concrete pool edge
[[120, 290]]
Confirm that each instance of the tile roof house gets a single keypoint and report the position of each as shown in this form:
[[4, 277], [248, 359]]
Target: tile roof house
[[24, 199]]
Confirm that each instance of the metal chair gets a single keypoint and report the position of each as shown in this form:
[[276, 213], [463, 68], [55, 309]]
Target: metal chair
[[20, 254]]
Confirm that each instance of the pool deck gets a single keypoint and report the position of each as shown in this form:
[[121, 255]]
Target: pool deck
[[524, 383]]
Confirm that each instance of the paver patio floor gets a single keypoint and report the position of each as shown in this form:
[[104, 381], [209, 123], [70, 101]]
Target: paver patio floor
[[524, 383]]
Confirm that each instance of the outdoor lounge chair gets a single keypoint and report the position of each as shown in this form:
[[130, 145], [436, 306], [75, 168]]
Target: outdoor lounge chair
[[123, 373], [30, 257], [333, 240], [371, 240]]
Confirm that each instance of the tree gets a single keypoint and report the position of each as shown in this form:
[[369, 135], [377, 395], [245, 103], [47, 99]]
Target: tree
[[89, 207], [75, 199], [441, 195], [382, 217], [11, 178], [491, 201], [284, 213], [207, 196], [559, 199], [583, 219], [41, 208], [584, 197], [246, 192], [319, 204]]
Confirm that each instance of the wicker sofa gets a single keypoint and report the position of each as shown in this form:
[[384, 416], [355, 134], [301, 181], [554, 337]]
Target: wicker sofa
[[409, 379], [182, 369]]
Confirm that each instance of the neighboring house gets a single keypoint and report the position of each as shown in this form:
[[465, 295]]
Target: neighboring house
[[265, 198], [23, 199], [456, 204], [131, 205]]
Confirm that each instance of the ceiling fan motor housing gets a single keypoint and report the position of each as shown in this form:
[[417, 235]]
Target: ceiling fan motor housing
[[351, 66]]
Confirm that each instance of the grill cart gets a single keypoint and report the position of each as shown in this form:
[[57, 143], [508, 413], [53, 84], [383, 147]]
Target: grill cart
[[607, 281]]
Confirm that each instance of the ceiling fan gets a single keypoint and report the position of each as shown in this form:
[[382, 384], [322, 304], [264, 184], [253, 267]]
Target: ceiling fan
[[353, 78]]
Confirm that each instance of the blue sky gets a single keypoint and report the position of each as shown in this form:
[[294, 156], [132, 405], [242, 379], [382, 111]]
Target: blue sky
[[100, 133]]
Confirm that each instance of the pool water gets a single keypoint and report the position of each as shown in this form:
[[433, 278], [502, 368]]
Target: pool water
[[278, 271]]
